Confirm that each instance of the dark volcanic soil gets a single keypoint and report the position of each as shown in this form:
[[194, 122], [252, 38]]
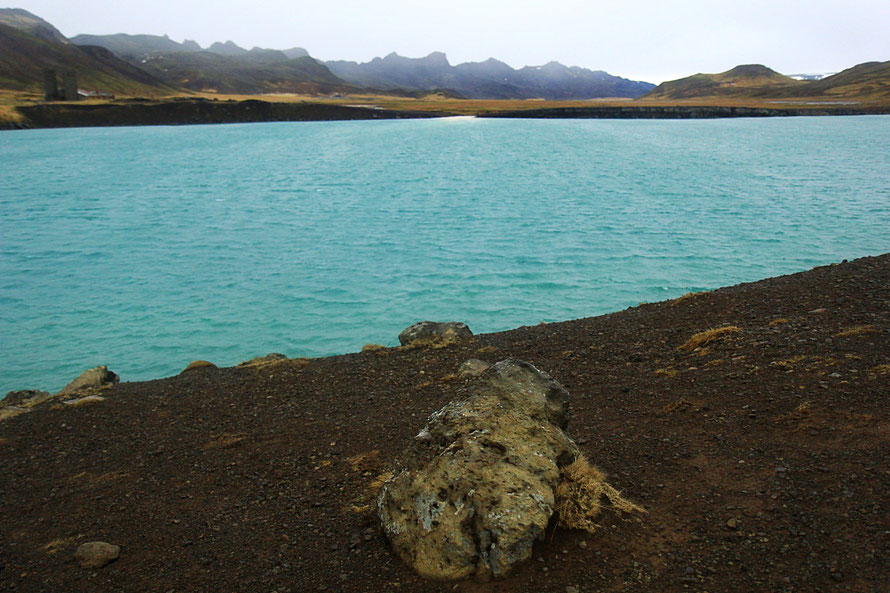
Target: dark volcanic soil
[[762, 459]]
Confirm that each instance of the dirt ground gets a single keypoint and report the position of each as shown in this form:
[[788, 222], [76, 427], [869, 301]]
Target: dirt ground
[[761, 456]]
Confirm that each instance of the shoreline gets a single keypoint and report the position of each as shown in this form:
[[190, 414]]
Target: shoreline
[[207, 111], [756, 452]]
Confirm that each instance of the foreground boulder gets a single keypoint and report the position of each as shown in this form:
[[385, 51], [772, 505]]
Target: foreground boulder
[[92, 378], [476, 486], [433, 331]]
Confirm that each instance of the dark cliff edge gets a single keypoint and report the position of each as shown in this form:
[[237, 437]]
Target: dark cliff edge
[[190, 112], [203, 111], [680, 112]]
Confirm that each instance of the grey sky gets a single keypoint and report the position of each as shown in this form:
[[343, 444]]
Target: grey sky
[[639, 39]]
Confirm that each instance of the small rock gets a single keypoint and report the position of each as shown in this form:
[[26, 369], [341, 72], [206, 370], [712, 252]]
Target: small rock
[[24, 398], [261, 360], [432, 331], [79, 401], [95, 377], [732, 523], [96, 554], [570, 589]]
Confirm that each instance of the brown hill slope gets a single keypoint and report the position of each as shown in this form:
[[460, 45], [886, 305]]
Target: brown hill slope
[[760, 456], [740, 81], [870, 80], [24, 56]]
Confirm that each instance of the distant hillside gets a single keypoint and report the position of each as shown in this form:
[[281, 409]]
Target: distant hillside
[[741, 80], [266, 71], [138, 47], [134, 47], [223, 67], [865, 81], [491, 79], [25, 55], [23, 20], [869, 81]]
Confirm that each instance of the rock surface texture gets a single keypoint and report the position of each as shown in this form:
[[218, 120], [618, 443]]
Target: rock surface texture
[[92, 378], [96, 554], [472, 368], [433, 331], [476, 486]]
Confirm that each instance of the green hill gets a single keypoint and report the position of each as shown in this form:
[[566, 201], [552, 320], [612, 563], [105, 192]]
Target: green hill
[[870, 80], [741, 81], [25, 55]]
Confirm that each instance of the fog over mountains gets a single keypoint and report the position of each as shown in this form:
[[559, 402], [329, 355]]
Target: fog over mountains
[[491, 79]]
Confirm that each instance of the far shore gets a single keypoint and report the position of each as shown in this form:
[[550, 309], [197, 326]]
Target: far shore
[[193, 110]]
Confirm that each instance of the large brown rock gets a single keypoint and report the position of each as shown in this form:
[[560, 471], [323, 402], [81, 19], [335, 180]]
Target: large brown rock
[[476, 485], [434, 331], [92, 378]]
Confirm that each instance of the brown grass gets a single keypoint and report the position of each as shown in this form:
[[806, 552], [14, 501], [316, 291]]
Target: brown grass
[[362, 461], [706, 337], [57, 544], [856, 330], [224, 440], [678, 406], [373, 347], [670, 372], [779, 321], [878, 371], [796, 415], [583, 493], [198, 364]]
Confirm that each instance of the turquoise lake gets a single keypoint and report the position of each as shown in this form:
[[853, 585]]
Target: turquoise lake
[[147, 248]]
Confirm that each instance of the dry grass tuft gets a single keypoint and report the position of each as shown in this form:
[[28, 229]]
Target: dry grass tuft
[[224, 440], [582, 494], [373, 347], [198, 364], [678, 406], [364, 460], [779, 321], [687, 296], [375, 484], [708, 336], [856, 330], [669, 372], [486, 349], [880, 370], [57, 544]]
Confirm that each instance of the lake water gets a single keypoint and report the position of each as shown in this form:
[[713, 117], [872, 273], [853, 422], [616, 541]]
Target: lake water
[[147, 248]]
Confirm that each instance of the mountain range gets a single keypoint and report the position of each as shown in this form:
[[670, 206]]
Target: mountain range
[[151, 65], [491, 79]]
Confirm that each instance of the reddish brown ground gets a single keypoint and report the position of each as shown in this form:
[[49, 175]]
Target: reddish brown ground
[[762, 460]]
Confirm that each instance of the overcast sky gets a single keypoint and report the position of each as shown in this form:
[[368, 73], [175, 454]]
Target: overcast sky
[[652, 40]]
